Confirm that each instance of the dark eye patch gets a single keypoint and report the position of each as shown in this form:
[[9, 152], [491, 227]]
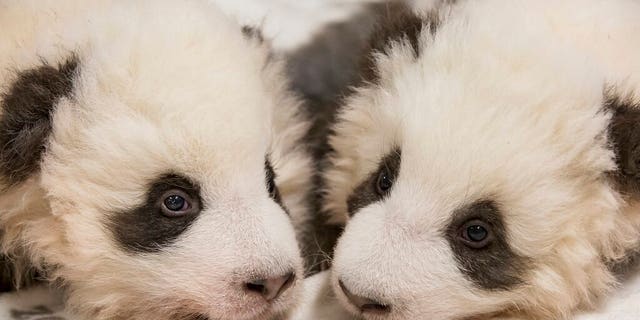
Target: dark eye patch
[[485, 258], [146, 228], [624, 136], [370, 191]]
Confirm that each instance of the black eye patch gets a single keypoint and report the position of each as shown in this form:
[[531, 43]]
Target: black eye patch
[[477, 236], [148, 228], [378, 185], [624, 136]]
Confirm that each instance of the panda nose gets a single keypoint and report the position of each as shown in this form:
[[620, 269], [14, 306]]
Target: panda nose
[[271, 288], [366, 305]]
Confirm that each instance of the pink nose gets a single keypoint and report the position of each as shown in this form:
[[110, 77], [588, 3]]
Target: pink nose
[[271, 288]]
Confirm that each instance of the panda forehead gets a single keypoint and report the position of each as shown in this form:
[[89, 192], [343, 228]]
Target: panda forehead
[[471, 116], [490, 147], [121, 146], [177, 94], [184, 115], [174, 138], [203, 71], [429, 102]]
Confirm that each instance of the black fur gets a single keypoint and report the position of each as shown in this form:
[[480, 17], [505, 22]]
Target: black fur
[[7, 274], [38, 312], [627, 267], [399, 24], [624, 136], [145, 229], [366, 194], [26, 120], [322, 73], [16, 268], [495, 267], [251, 32], [325, 72], [272, 188], [624, 133]]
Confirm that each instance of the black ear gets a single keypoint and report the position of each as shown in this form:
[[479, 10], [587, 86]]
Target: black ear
[[25, 123], [624, 133], [397, 23]]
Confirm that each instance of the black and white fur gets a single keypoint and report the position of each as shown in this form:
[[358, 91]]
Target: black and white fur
[[519, 118], [107, 109]]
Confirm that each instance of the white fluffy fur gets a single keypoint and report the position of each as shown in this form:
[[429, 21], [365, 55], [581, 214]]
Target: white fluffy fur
[[289, 23], [505, 101], [163, 85]]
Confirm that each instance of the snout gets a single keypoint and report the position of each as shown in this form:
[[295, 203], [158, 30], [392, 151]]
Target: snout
[[263, 292], [252, 267], [382, 272], [250, 294]]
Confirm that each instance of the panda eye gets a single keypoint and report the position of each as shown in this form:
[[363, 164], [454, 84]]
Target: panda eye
[[176, 203], [384, 182], [476, 234]]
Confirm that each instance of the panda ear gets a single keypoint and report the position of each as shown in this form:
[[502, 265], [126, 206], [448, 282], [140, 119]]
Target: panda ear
[[253, 33], [624, 135], [397, 23], [25, 123]]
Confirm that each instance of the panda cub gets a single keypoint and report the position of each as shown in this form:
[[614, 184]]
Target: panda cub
[[488, 164], [150, 160]]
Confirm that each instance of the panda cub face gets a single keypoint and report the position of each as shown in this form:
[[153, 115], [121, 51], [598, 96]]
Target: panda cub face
[[480, 178], [148, 165]]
